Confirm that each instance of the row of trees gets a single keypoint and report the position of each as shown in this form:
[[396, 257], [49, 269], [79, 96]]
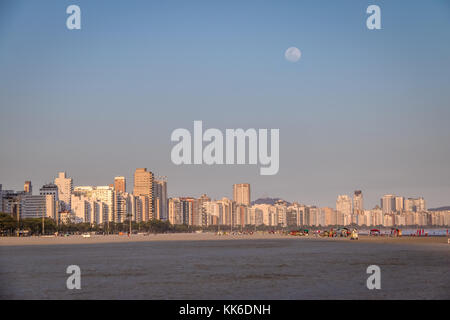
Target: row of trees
[[10, 226], [35, 226]]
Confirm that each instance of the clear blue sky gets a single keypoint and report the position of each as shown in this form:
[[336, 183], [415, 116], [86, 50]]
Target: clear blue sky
[[361, 109]]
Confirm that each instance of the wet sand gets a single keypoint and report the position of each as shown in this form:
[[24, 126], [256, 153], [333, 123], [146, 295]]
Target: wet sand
[[97, 239]]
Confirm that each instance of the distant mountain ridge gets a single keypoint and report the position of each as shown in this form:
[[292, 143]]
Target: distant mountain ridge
[[271, 201], [440, 209]]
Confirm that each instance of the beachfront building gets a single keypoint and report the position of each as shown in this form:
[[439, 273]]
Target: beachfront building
[[143, 188], [142, 208], [227, 212], [52, 201], [212, 211], [415, 204], [175, 214], [65, 188], [293, 215], [160, 198], [120, 184], [189, 210], [27, 187], [80, 208], [372, 217], [11, 203], [205, 221], [388, 203], [268, 211], [124, 207], [241, 193], [344, 205], [187, 205], [399, 204], [120, 206], [255, 216], [102, 203], [329, 216], [37, 206], [440, 218], [313, 216], [68, 217], [281, 214]]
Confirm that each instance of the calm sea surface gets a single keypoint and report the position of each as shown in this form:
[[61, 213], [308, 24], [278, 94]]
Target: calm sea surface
[[229, 269]]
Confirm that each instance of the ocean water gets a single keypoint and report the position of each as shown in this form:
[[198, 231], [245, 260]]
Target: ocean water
[[226, 269]]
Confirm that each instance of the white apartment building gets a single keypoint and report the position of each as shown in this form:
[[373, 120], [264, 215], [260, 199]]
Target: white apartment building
[[344, 205], [415, 204], [65, 188], [103, 196], [36, 206], [175, 214], [388, 203], [52, 202]]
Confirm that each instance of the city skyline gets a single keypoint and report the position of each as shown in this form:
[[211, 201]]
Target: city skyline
[[145, 183], [98, 205], [231, 194]]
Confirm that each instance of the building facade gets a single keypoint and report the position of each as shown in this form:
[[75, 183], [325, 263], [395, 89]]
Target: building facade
[[241, 194], [65, 188]]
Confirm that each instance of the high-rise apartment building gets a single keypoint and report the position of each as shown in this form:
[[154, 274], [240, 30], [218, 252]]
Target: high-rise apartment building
[[80, 207], [51, 192], [120, 206], [10, 202], [189, 210], [388, 203], [143, 188], [120, 184], [65, 188], [399, 204], [160, 198], [213, 211], [269, 217], [415, 204], [38, 206], [358, 203], [329, 216], [228, 211], [201, 210], [27, 188], [241, 193], [1, 199], [344, 205], [143, 182], [104, 195]]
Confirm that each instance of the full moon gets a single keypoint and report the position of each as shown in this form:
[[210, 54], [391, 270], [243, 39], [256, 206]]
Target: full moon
[[292, 54]]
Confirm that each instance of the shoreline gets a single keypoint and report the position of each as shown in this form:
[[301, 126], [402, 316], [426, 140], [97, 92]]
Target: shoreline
[[104, 239]]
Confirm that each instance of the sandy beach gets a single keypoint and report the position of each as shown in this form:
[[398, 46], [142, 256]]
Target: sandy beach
[[98, 239], [208, 266]]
